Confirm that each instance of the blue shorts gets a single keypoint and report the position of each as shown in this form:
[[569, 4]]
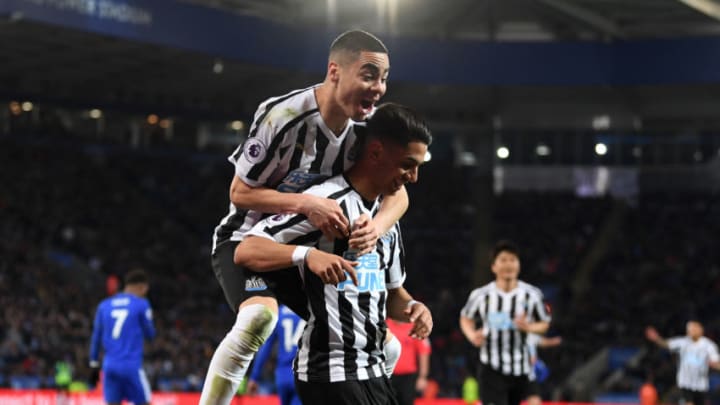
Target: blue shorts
[[129, 384], [285, 383]]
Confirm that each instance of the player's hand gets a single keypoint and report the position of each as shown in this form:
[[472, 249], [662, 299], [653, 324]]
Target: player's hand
[[421, 384], [326, 215], [421, 318], [477, 339], [652, 334], [94, 376], [521, 323], [364, 235], [332, 269], [252, 388]]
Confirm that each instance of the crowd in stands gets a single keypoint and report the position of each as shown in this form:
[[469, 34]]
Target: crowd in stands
[[76, 214]]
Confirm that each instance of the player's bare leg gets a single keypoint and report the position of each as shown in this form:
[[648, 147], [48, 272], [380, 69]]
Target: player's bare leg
[[255, 321]]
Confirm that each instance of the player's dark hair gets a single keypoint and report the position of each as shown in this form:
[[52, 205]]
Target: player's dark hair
[[398, 124], [136, 276], [356, 41], [504, 246]]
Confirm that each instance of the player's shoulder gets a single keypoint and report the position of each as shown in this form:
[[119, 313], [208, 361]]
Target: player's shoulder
[[530, 288], [278, 111], [333, 187], [482, 290]]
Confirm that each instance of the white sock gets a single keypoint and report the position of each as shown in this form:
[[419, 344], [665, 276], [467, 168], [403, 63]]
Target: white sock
[[392, 354], [233, 355]]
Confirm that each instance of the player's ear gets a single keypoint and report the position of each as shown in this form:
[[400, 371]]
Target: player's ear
[[333, 71], [374, 150]]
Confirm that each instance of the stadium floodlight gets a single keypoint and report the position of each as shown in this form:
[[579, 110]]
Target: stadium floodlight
[[95, 113], [601, 149], [503, 152], [27, 106], [237, 125], [428, 156], [542, 150]]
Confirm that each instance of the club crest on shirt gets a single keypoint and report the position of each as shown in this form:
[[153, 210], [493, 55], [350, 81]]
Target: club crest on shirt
[[255, 283], [277, 219], [254, 150]]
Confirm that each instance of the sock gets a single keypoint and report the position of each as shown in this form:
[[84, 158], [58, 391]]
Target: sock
[[233, 355]]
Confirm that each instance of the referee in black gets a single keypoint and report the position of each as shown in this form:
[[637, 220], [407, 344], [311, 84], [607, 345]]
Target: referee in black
[[507, 310]]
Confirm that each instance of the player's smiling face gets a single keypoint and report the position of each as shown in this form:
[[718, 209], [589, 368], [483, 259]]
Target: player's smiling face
[[399, 165], [506, 266], [361, 83]]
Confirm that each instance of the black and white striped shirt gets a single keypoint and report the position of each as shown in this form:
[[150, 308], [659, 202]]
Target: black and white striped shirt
[[344, 337], [693, 369], [289, 148], [505, 348]]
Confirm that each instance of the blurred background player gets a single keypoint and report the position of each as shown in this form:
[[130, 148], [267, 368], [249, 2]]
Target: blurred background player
[[287, 333], [697, 354], [509, 310], [539, 372], [410, 376], [122, 323], [295, 141]]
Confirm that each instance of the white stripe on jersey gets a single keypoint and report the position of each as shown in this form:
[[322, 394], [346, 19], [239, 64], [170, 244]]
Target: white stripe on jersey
[[694, 357], [505, 349], [289, 148], [344, 337]]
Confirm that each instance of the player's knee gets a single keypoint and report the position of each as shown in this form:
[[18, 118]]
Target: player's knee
[[253, 325], [393, 348]]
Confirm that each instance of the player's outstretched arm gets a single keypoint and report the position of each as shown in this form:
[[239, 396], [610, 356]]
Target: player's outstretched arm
[[261, 254], [652, 335], [366, 231], [324, 213], [401, 307]]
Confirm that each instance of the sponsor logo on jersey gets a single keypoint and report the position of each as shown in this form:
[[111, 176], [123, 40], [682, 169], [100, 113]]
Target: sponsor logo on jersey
[[297, 181], [370, 277]]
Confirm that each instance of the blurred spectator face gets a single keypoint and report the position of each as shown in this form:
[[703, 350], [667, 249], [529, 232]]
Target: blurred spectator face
[[694, 330], [506, 266]]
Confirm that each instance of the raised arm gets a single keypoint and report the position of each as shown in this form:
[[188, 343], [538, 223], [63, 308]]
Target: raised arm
[[366, 231], [652, 335], [324, 213]]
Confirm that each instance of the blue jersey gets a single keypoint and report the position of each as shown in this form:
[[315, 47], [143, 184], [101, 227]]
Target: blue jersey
[[122, 323], [287, 333]]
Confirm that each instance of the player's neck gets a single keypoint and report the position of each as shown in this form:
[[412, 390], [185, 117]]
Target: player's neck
[[331, 113], [506, 285], [361, 183]]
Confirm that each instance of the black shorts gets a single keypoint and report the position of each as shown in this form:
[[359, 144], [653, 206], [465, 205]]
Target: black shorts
[[239, 283], [533, 388], [404, 386], [499, 389], [375, 391], [690, 396]]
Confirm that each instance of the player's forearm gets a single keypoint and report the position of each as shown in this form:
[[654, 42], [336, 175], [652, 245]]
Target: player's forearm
[[265, 199], [538, 327], [261, 254], [661, 342], [467, 326], [423, 365], [398, 299], [715, 365], [391, 210]]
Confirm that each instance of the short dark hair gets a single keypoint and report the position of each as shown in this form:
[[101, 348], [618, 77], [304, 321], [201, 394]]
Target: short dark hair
[[136, 276], [356, 41], [504, 246], [398, 124]]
